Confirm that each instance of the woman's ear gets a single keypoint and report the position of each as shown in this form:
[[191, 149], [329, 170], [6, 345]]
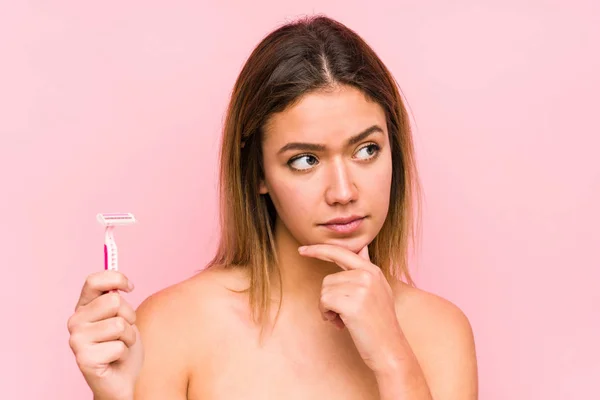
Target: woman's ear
[[262, 187]]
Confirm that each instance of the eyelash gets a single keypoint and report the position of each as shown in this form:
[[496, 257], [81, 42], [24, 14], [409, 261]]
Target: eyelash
[[376, 148]]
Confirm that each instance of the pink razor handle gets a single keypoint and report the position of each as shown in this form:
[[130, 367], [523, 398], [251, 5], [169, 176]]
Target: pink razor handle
[[110, 247]]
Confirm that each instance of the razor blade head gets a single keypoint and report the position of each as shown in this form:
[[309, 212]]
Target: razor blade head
[[116, 219]]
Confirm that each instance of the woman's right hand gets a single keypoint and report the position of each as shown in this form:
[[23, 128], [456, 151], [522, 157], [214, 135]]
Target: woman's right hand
[[104, 339]]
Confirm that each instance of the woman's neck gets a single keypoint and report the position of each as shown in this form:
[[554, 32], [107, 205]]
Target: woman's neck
[[301, 277]]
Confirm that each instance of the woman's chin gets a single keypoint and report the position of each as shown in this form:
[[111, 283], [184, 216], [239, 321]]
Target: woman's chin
[[355, 244]]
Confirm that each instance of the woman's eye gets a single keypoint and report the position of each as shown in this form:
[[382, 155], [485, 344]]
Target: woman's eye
[[368, 151], [304, 162]]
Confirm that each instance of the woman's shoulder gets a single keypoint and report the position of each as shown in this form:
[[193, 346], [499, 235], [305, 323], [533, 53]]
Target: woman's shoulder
[[439, 333], [432, 310], [430, 317], [184, 322], [193, 312], [205, 292]]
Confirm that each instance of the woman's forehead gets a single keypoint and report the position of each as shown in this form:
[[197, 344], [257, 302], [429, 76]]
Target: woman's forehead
[[325, 117]]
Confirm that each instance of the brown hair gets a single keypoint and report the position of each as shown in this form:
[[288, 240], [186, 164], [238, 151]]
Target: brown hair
[[313, 53]]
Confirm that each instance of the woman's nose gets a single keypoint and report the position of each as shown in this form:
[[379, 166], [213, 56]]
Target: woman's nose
[[341, 188]]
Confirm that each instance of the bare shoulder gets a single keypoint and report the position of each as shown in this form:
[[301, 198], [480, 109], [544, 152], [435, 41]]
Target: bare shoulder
[[184, 308], [178, 323], [442, 338], [199, 293], [430, 313]]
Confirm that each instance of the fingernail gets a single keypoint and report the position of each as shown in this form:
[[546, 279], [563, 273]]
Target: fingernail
[[130, 285], [301, 249]]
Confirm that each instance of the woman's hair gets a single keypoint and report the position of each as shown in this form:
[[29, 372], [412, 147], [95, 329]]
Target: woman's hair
[[308, 55]]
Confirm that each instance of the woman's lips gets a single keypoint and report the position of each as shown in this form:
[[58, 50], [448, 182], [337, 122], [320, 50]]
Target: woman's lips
[[347, 225]]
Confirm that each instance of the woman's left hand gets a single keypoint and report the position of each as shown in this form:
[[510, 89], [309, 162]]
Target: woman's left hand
[[361, 299]]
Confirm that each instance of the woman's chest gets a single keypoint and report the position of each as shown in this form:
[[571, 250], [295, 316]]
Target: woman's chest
[[290, 369]]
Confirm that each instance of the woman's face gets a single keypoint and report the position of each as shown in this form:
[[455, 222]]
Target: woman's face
[[328, 157]]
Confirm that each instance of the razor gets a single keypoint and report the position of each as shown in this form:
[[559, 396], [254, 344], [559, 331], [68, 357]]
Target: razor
[[110, 221]]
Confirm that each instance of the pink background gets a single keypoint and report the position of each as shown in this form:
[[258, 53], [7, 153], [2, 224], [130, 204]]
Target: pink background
[[117, 106]]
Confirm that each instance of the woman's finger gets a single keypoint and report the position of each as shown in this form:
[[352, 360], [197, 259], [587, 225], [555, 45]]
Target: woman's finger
[[107, 330], [343, 257], [101, 354], [111, 329], [355, 276], [106, 306], [101, 282]]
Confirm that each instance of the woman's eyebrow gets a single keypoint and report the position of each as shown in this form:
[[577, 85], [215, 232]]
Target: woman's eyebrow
[[320, 147]]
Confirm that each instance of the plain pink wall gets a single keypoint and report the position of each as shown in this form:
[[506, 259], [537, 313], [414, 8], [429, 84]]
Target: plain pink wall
[[117, 106]]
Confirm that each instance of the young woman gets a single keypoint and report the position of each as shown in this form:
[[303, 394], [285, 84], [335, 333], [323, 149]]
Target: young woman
[[309, 295]]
